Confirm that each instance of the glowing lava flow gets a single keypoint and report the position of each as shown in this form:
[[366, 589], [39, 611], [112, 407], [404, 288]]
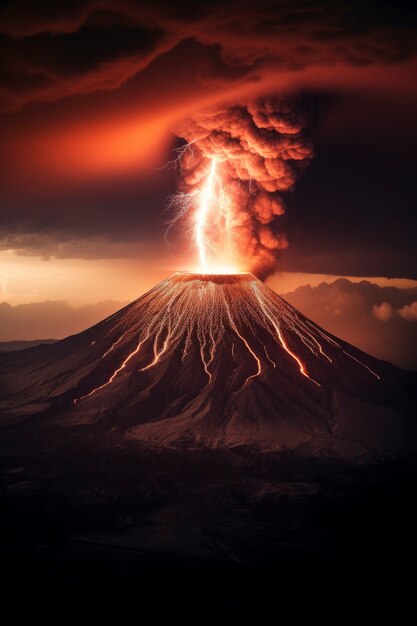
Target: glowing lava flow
[[280, 336], [235, 326]]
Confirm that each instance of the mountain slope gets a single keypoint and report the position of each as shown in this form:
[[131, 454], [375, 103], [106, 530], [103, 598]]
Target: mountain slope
[[216, 361]]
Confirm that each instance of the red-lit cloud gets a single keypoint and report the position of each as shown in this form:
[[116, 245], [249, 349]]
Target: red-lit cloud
[[117, 67], [54, 50]]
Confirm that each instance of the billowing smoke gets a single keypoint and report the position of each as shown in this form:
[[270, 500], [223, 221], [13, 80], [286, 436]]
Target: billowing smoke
[[262, 147]]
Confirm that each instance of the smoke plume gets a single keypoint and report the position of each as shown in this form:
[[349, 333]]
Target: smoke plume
[[262, 147]]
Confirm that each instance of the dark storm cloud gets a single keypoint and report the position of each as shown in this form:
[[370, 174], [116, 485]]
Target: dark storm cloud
[[66, 59], [70, 54], [52, 50], [354, 211], [79, 222], [101, 52]]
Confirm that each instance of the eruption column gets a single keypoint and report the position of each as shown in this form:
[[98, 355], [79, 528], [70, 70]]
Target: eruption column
[[263, 146]]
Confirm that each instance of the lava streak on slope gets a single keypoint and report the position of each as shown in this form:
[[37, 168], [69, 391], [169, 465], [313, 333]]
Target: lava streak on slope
[[211, 315]]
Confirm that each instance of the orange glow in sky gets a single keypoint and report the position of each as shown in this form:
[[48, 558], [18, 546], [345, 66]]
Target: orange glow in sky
[[84, 281]]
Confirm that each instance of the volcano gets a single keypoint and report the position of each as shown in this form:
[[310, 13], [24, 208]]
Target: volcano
[[212, 361], [205, 441]]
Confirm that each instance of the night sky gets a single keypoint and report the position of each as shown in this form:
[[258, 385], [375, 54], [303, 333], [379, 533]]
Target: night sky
[[90, 95]]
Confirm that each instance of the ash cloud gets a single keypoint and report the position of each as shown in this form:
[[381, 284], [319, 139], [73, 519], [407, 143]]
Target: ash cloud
[[262, 147]]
